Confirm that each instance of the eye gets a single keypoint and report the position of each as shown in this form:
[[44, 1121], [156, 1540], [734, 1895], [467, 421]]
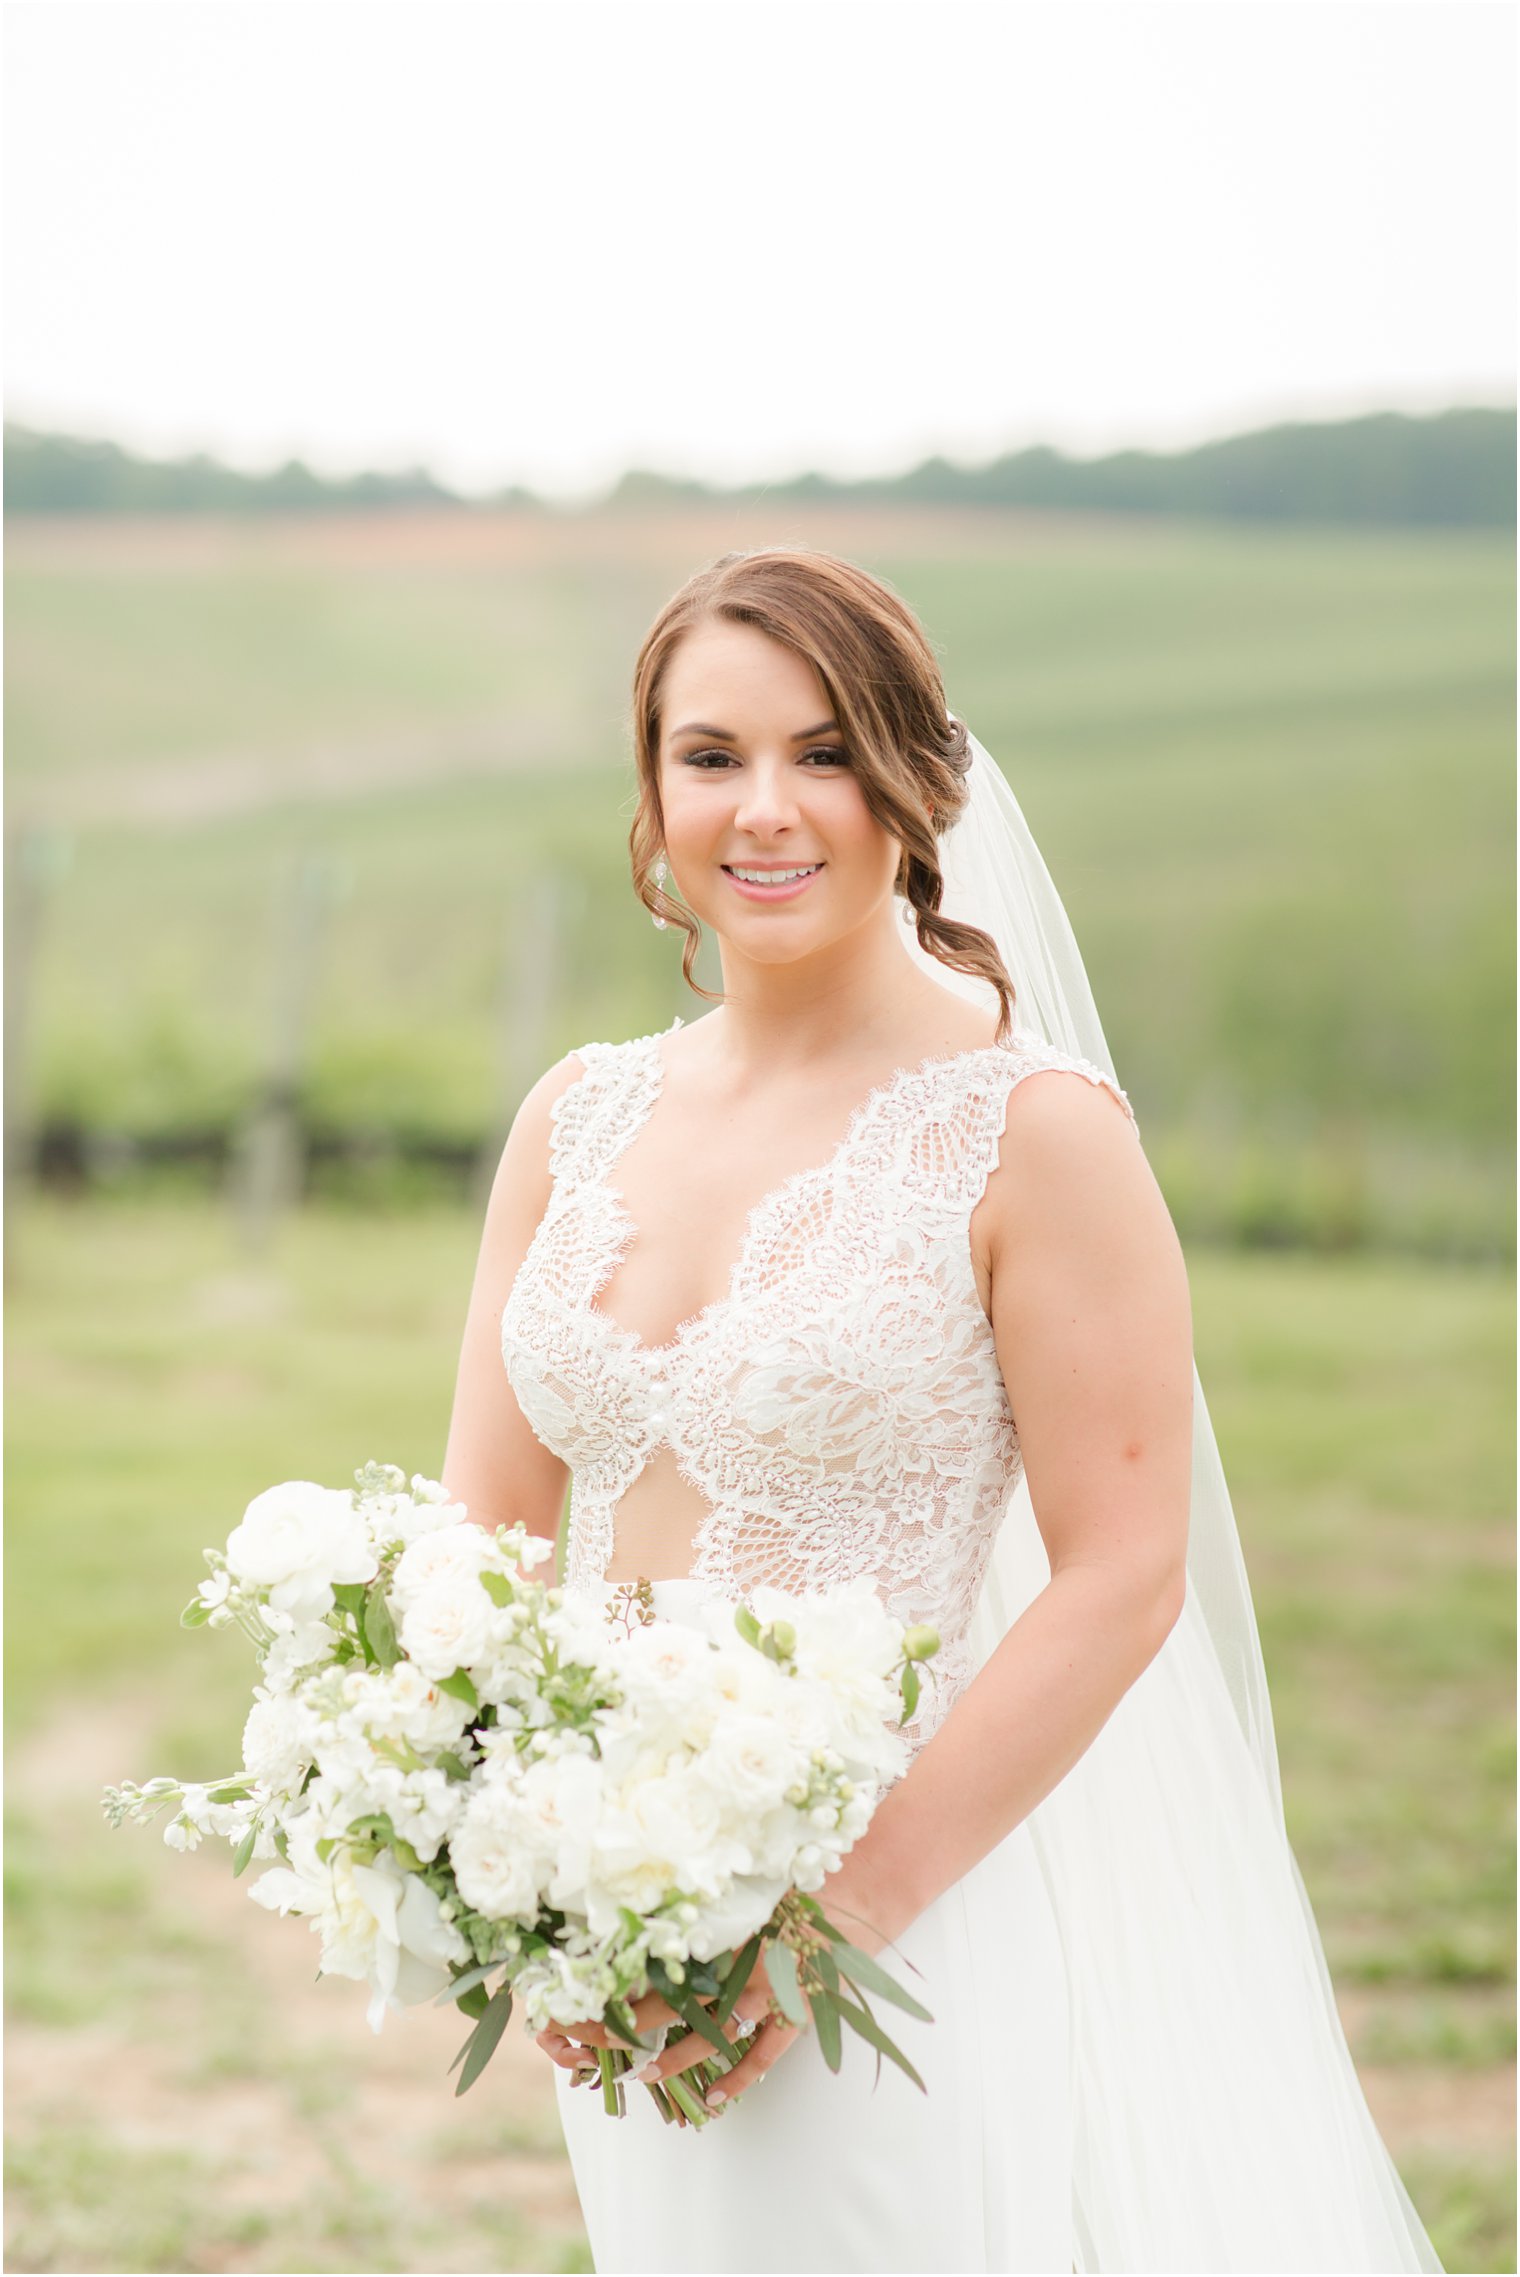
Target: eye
[[830, 751], [697, 758]]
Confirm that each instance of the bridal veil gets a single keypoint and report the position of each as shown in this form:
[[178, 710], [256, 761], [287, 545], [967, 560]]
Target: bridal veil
[[1219, 2121]]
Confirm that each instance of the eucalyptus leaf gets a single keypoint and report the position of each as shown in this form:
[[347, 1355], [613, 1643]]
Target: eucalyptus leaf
[[781, 1968], [696, 2019], [482, 2043], [463, 1982], [862, 2021], [862, 1970], [826, 2024], [738, 1977], [244, 1850]]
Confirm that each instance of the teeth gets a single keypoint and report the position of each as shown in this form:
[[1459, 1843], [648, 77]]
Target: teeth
[[771, 877]]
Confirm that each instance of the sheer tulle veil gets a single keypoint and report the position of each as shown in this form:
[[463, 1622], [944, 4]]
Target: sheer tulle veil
[[1219, 2121]]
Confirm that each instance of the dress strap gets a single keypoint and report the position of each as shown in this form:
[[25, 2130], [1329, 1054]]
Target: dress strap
[[940, 1128], [595, 1118]]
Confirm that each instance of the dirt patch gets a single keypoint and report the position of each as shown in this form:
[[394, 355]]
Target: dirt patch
[[288, 2094]]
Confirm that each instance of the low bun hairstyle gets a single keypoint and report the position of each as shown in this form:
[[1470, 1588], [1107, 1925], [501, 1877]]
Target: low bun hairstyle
[[883, 683]]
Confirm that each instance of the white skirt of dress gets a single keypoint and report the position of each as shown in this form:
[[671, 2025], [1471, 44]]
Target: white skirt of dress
[[811, 2171]]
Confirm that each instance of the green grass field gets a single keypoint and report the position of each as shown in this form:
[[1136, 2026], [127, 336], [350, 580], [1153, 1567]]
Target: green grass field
[[171, 2044], [1270, 770]]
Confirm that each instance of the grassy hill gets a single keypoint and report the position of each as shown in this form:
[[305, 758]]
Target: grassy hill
[[1270, 770]]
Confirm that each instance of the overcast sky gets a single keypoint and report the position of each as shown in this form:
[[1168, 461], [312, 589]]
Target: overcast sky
[[543, 243]]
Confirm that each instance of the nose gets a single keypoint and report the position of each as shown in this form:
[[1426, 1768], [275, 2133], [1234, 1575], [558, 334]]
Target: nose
[[767, 802]]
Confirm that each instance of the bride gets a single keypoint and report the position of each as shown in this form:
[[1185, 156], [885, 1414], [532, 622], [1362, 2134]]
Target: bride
[[865, 1272]]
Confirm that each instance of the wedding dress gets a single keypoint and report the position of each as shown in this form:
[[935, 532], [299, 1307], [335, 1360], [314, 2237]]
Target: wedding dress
[[842, 1411]]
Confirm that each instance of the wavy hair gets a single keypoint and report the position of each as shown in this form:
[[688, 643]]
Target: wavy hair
[[884, 685]]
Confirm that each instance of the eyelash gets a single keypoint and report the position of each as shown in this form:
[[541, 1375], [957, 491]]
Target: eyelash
[[820, 751]]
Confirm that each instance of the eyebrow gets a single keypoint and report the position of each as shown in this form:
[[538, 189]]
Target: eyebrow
[[722, 734]]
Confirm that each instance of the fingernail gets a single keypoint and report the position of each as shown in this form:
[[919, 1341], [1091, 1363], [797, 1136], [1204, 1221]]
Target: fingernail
[[643, 2072], [715, 2096]]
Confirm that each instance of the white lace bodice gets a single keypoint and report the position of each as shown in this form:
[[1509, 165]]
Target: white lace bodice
[[841, 1410]]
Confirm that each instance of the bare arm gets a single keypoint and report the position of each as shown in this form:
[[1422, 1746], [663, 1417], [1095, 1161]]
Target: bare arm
[[1093, 1325], [494, 1463]]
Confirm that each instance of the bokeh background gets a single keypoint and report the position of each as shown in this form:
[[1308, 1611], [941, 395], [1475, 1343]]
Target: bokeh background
[[372, 376]]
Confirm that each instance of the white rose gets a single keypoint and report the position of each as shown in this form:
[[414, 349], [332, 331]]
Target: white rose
[[726, 1922], [749, 1763], [560, 1802], [496, 1869], [296, 1540], [452, 1553], [448, 1625]]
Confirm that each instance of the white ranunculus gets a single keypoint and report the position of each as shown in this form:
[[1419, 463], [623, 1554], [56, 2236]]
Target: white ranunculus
[[296, 1540], [413, 1943], [448, 1625]]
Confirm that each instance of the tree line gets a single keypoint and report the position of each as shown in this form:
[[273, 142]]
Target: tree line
[[1451, 468]]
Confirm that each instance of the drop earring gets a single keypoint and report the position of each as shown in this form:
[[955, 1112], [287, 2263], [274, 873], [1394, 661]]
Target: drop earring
[[660, 873]]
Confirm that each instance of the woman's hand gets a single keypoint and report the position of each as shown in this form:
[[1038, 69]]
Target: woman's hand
[[573, 2046]]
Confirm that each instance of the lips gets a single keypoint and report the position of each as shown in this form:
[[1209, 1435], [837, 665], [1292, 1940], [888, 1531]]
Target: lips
[[787, 891]]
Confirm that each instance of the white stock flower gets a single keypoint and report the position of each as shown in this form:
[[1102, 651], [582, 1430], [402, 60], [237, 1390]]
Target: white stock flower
[[402, 1703], [296, 1540], [278, 1738]]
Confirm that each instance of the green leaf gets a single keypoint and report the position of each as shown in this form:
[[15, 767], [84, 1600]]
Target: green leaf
[[244, 1851], [862, 1970], [909, 1691], [195, 1615], [497, 1588], [450, 1763], [379, 1628], [747, 1626], [481, 2044], [463, 1982], [460, 1686], [862, 2021], [697, 2019], [326, 1845], [620, 2016], [781, 1968], [737, 1978], [473, 2002], [349, 1595], [826, 2024]]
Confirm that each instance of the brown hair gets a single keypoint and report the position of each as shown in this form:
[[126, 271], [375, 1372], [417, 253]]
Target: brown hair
[[884, 685]]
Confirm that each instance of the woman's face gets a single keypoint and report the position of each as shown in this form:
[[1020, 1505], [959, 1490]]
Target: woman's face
[[756, 785]]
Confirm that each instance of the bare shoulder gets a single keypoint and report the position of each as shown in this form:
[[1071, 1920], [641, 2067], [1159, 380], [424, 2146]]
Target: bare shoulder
[[524, 1175], [1071, 1172]]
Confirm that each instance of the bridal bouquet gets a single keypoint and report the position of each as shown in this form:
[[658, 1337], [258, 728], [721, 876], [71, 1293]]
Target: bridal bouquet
[[479, 1790]]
